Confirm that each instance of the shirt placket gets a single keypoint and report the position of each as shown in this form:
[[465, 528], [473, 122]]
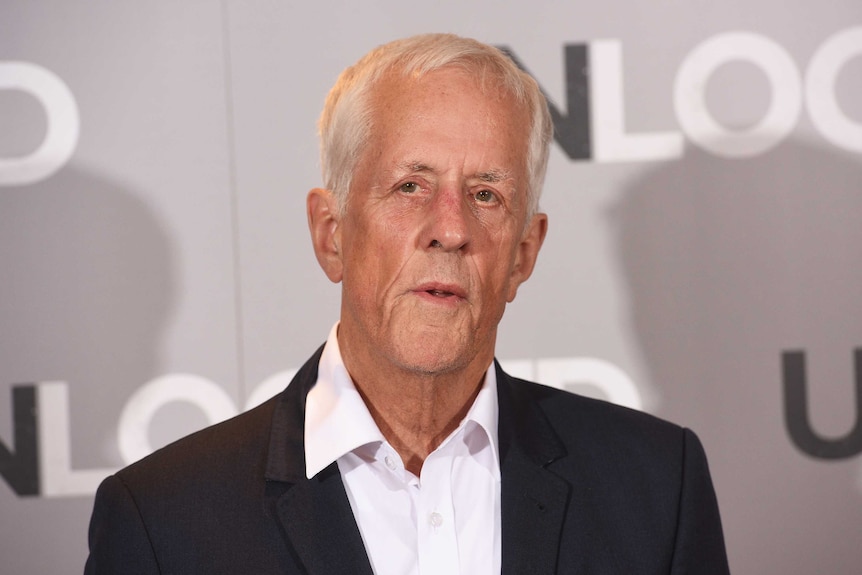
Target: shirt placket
[[437, 541]]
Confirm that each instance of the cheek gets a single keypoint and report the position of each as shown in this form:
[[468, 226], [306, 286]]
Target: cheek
[[376, 256], [498, 265], [502, 244], [493, 273]]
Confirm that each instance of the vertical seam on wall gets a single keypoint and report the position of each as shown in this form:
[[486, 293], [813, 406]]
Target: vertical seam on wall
[[234, 202]]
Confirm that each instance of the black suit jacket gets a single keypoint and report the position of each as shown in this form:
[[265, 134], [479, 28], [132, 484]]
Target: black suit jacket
[[587, 488]]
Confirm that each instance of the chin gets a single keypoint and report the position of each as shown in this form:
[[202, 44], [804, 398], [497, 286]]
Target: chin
[[433, 348], [433, 360]]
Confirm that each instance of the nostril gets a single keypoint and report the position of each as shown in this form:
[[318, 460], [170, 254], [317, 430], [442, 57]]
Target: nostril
[[436, 244]]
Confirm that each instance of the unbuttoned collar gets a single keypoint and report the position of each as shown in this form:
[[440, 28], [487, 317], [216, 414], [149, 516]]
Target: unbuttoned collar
[[337, 421]]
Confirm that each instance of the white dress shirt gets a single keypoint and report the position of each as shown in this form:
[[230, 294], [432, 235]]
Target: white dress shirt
[[444, 522]]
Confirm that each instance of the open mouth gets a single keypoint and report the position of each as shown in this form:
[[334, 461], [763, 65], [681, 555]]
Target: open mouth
[[439, 293]]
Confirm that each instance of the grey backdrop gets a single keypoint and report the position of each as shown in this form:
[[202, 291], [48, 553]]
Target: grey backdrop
[[172, 242]]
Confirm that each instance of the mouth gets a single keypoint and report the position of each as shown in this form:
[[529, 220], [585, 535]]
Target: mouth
[[438, 293], [441, 292]]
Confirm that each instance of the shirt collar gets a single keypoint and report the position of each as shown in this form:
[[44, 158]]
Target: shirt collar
[[336, 418], [484, 414], [337, 421]]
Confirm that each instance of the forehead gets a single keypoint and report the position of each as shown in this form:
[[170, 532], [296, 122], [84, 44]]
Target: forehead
[[449, 107]]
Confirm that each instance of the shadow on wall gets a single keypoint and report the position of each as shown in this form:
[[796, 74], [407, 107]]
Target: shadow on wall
[[730, 263], [88, 284]]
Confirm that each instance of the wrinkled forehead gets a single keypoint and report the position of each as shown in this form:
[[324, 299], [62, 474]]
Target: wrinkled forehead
[[432, 122]]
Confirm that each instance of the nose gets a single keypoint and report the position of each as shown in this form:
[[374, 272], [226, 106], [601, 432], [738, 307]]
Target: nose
[[447, 222]]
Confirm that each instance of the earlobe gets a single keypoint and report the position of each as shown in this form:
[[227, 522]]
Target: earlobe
[[323, 220], [527, 253]]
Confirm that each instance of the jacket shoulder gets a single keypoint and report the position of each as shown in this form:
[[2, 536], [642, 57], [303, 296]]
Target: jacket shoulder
[[570, 409], [233, 448], [640, 483], [609, 436]]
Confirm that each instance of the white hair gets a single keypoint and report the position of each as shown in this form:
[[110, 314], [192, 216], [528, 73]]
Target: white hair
[[346, 121]]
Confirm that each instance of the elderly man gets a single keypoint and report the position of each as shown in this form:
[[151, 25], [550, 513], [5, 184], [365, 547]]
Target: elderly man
[[401, 446]]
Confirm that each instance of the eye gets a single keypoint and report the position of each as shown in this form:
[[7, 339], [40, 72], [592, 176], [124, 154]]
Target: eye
[[485, 196], [409, 187]]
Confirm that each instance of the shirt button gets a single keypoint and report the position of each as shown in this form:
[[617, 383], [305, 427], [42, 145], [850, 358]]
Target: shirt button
[[390, 462], [435, 519]]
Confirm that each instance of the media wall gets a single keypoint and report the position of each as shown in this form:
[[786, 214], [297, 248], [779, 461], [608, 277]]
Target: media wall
[[704, 258]]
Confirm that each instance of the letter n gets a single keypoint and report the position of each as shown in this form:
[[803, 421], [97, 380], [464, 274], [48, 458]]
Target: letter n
[[571, 128], [20, 468]]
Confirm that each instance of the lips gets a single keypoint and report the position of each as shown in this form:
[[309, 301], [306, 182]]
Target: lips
[[442, 290], [438, 293]]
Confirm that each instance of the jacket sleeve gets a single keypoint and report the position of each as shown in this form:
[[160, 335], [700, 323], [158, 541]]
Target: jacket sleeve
[[119, 542], [699, 547]]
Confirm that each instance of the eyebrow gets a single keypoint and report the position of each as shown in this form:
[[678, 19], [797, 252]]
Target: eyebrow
[[413, 167], [492, 176]]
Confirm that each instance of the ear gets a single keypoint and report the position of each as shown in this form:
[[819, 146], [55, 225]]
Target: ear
[[527, 253], [323, 220]]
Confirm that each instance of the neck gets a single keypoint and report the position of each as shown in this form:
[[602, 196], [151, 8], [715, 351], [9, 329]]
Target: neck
[[414, 410]]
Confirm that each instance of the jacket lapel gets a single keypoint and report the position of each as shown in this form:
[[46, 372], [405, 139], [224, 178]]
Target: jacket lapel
[[315, 514], [534, 499], [319, 522]]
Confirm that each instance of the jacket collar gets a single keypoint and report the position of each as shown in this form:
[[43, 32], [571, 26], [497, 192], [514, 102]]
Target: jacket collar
[[314, 513], [534, 499], [286, 455]]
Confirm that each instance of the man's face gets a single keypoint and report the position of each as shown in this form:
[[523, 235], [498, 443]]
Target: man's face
[[433, 243]]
